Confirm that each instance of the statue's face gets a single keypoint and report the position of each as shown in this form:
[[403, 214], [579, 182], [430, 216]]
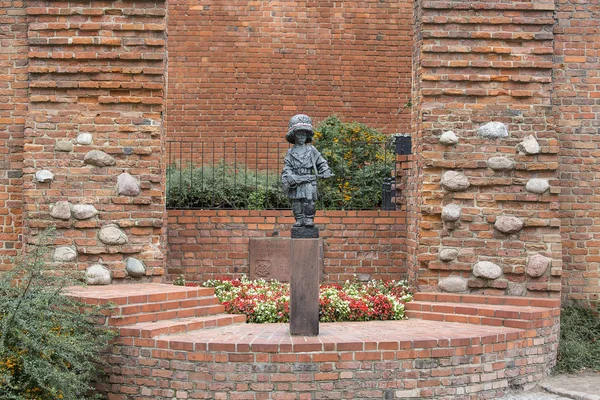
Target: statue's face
[[301, 137]]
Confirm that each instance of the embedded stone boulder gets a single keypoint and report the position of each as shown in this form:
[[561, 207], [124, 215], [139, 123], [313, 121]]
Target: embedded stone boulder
[[98, 158], [508, 224], [500, 163], [112, 235], [84, 139], [451, 213], [448, 254], [61, 210], [84, 211], [455, 181], [64, 145], [98, 275], [529, 146], [487, 270], [135, 268], [44, 176], [537, 265], [515, 289], [493, 130], [127, 185], [64, 254], [448, 138], [537, 186], [453, 284]]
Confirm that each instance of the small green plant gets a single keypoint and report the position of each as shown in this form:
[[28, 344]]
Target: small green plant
[[179, 281], [49, 343], [579, 346]]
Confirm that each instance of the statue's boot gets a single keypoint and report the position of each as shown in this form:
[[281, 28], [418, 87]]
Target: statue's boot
[[309, 214], [298, 214]]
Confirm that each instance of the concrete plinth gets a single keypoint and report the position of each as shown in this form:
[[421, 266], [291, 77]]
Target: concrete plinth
[[304, 287]]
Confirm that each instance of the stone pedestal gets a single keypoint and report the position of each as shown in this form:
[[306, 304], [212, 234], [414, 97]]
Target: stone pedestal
[[303, 232], [304, 287]]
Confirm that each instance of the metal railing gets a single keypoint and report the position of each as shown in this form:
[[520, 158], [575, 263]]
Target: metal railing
[[247, 175]]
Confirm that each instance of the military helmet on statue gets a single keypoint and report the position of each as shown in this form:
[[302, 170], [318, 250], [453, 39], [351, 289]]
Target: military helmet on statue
[[299, 122]]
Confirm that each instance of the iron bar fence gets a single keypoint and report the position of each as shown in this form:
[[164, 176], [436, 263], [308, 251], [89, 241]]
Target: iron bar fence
[[247, 175]]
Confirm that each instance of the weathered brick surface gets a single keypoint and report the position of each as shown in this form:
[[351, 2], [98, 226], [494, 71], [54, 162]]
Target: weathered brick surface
[[13, 108], [577, 108], [97, 67], [208, 244], [477, 62], [242, 69]]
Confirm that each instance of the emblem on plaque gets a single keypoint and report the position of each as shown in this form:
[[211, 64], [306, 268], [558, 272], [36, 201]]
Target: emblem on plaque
[[263, 268]]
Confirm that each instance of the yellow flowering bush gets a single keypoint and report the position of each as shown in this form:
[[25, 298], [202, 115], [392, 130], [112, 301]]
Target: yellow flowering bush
[[360, 157]]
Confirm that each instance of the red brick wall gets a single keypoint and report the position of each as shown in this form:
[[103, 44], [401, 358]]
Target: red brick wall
[[208, 244], [577, 108], [477, 62], [98, 67], [13, 108], [242, 69]]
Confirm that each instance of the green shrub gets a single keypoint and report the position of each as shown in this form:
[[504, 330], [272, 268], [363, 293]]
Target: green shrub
[[49, 342], [223, 186], [579, 345]]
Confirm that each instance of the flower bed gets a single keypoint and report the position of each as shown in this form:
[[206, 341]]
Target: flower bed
[[268, 301]]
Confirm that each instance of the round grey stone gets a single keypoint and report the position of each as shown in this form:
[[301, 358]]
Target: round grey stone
[[500, 163], [63, 145], [44, 176], [127, 185], [493, 130], [537, 186], [135, 268], [515, 289], [454, 181], [84, 138], [537, 265], [84, 211], [453, 284], [98, 158], [448, 138], [61, 210], [65, 254], [529, 146], [508, 224], [448, 254], [98, 275], [487, 270], [451, 213], [111, 234]]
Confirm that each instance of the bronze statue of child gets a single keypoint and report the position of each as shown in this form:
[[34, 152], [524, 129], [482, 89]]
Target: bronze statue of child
[[303, 164]]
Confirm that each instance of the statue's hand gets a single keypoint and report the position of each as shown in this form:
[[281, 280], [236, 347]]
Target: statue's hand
[[328, 174]]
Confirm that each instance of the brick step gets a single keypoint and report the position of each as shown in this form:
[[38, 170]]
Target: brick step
[[141, 293], [169, 327], [121, 320], [160, 306], [480, 314], [489, 300]]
